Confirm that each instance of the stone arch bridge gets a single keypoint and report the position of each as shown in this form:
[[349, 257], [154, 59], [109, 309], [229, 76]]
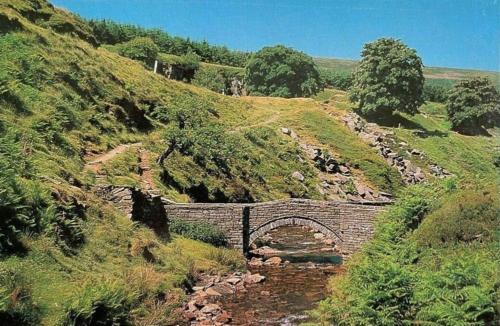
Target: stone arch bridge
[[348, 224]]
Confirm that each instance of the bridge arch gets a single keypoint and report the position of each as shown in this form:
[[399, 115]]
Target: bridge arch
[[294, 220]]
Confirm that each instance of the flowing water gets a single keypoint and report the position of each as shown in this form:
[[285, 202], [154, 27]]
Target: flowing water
[[290, 290]]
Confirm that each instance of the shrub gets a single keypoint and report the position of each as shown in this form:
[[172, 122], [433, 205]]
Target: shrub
[[141, 49], [473, 104], [389, 78], [100, 303], [281, 71], [434, 92], [336, 79], [16, 305], [202, 231], [464, 217]]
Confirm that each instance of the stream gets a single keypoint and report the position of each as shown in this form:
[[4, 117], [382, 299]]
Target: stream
[[291, 289]]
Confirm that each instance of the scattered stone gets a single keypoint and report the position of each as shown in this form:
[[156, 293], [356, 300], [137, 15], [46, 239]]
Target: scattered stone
[[210, 308], [273, 261], [254, 278], [286, 131], [297, 175], [255, 262], [266, 293], [328, 241], [233, 280], [212, 292]]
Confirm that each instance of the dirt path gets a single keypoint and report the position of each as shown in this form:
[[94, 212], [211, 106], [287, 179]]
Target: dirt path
[[272, 119], [94, 163], [147, 182]]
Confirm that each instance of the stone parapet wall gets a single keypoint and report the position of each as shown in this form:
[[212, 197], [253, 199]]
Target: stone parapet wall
[[348, 224]]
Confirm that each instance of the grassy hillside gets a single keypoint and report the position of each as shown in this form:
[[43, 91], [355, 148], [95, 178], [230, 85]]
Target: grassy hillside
[[65, 254]]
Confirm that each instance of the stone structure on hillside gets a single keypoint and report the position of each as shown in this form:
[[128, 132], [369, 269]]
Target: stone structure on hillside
[[396, 154], [348, 224]]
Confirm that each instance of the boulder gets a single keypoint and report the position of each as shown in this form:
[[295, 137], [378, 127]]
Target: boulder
[[297, 175], [255, 262], [211, 308], [273, 261], [254, 278], [212, 292]]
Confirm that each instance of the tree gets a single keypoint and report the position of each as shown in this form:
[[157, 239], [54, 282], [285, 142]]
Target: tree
[[140, 48], [281, 71], [473, 104], [389, 78]]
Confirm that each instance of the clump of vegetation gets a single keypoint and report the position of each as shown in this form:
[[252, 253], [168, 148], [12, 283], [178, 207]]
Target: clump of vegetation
[[16, 302], [389, 78], [436, 90], [217, 78], [205, 232], [104, 303], [394, 281], [109, 32], [141, 49], [473, 104], [465, 217], [336, 79], [283, 72]]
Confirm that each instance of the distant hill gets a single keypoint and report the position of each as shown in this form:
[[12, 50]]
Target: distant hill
[[434, 73]]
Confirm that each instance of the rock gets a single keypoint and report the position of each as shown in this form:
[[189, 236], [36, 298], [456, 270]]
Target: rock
[[286, 131], [318, 235], [198, 288], [233, 280], [189, 315], [223, 288], [265, 251], [254, 278], [344, 169], [212, 292], [210, 308], [255, 262], [415, 152], [224, 317], [273, 261], [297, 175], [266, 293]]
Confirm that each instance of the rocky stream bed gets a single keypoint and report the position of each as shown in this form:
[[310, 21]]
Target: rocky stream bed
[[286, 277]]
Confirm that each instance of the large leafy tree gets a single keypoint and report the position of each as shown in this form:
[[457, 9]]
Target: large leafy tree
[[389, 78], [473, 104], [283, 72]]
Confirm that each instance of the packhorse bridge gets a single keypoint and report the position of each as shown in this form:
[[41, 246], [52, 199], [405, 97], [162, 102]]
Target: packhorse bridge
[[348, 224]]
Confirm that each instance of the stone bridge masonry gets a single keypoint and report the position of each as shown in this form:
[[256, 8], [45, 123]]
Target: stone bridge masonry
[[348, 224]]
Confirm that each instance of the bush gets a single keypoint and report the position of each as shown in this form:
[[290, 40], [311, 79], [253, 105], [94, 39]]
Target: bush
[[141, 49], [389, 78], [101, 303], [217, 78], [435, 92], [464, 217], [283, 72], [336, 79], [473, 104], [199, 231], [16, 305]]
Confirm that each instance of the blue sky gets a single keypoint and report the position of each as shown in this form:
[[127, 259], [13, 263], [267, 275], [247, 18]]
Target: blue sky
[[449, 33]]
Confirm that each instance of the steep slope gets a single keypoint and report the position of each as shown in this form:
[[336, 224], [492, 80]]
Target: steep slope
[[73, 115]]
